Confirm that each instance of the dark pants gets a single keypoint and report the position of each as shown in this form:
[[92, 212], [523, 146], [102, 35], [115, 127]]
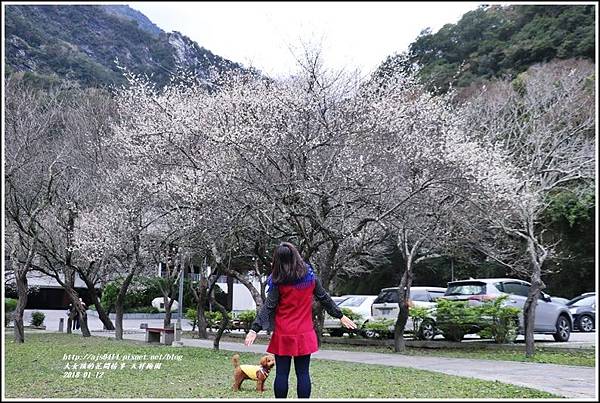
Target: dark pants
[[75, 321], [282, 373]]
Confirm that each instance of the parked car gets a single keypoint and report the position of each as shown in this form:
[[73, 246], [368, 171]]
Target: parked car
[[550, 317], [359, 304], [386, 307], [339, 300], [583, 309], [560, 300]]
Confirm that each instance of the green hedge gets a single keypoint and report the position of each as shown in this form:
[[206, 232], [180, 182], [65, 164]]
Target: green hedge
[[37, 318], [418, 314], [455, 318], [10, 304], [190, 315], [355, 317], [381, 327], [489, 319], [214, 318]]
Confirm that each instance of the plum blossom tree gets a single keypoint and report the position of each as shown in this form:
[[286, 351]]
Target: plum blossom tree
[[267, 149], [35, 163], [332, 162], [538, 133], [80, 118], [85, 121], [118, 228], [166, 129]]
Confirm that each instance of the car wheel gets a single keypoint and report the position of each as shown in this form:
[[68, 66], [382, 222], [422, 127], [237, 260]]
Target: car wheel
[[585, 323], [426, 330], [368, 333], [563, 329]]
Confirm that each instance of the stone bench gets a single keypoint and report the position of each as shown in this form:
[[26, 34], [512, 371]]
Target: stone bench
[[160, 335]]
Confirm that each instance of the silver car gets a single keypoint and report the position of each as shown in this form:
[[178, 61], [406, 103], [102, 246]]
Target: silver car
[[386, 307], [550, 317]]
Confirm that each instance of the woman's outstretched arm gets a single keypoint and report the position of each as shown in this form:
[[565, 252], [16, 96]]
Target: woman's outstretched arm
[[265, 315], [330, 306]]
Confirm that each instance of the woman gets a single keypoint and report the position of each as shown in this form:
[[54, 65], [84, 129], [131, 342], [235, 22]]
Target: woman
[[288, 313]]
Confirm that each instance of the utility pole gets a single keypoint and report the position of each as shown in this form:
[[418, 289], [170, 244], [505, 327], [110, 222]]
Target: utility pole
[[178, 341]]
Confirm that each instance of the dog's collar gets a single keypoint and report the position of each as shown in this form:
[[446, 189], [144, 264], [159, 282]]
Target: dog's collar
[[264, 370]]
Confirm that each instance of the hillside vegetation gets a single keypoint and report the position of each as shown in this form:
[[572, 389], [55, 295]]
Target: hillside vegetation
[[81, 43], [500, 41]]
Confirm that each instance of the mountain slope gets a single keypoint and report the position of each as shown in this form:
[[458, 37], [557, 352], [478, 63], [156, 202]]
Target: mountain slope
[[129, 13], [80, 43], [497, 41]]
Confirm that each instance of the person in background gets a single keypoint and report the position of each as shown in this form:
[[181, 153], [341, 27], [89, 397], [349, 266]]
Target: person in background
[[74, 315]]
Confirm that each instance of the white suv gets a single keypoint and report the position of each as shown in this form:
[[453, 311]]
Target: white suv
[[359, 304], [386, 307]]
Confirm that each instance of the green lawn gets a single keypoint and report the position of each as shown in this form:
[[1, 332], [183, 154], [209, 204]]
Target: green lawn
[[36, 369], [585, 357]]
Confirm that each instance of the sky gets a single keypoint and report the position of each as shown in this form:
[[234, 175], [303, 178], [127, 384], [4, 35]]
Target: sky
[[267, 35]]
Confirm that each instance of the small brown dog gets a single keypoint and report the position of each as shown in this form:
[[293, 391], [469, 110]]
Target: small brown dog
[[258, 373]]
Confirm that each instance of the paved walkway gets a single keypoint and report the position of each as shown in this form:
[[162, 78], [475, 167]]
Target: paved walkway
[[568, 381]]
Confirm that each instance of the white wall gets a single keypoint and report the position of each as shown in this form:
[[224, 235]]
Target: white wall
[[242, 299]]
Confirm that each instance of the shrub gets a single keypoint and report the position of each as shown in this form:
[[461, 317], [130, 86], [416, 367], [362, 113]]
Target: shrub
[[490, 319], [245, 319], [456, 318], [140, 293], [418, 314], [355, 317], [247, 316], [381, 327], [191, 316], [213, 318], [37, 318], [498, 322], [10, 304], [109, 296]]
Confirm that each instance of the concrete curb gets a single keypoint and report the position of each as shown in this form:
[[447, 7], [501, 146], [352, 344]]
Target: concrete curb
[[442, 344]]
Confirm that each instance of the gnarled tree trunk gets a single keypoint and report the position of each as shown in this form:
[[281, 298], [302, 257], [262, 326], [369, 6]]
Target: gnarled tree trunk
[[537, 256], [403, 307], [119, 305], [326, 275], [224, 322], [408, 255], [201, 300], [22, 291], [80, 311], [102, 314], [168, 302]]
